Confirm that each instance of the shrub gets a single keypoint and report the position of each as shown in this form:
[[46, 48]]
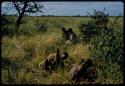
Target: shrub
[[41, 26], [95, 25], [7, 26], [108, 46]]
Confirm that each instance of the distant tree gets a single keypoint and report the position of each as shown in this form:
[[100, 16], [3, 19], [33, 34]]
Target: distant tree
[[23, 7], [26, 7]]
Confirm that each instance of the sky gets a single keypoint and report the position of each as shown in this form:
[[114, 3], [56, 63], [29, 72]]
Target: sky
[[73, 8]]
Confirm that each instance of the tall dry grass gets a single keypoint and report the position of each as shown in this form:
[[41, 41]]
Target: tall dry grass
[[27, 51]]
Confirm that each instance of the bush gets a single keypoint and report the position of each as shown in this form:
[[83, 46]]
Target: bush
[[108, 46], [94, 26], [7, 30], [41, 26], [7, 26]]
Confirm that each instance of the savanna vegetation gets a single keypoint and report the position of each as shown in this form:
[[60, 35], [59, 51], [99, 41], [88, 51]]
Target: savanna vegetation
[[100, 38]]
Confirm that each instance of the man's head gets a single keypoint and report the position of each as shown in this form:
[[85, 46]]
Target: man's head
[[63, 29], [70, 30], [65, 55], [87, 63]]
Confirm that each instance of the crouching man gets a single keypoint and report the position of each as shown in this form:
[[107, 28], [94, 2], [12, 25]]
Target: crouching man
[[82, 71], [53, 61]]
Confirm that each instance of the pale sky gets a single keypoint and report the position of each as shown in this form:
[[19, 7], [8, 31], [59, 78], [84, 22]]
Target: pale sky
[[74, 8]]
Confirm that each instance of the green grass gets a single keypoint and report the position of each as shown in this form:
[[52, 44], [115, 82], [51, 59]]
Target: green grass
[[30, 48]]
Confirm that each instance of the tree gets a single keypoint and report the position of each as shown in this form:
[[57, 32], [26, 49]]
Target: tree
[[24, 7]]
